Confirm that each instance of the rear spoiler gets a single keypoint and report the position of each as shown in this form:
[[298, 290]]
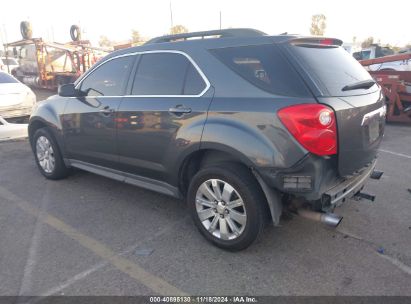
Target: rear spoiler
[[313, 41]]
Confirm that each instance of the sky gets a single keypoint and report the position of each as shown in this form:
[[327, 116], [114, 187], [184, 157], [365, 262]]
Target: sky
[[388, 23]]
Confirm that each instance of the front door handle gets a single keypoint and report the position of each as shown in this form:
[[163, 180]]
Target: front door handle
[[107, 110], [179, 110]]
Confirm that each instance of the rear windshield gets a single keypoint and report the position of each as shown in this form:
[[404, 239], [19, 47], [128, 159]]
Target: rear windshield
[[332, 69], [265, 67], [6, 78]]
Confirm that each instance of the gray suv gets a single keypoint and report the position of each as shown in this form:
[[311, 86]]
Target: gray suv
[[241, 124]]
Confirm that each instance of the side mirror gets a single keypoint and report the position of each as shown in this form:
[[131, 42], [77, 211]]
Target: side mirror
[[68, 90]]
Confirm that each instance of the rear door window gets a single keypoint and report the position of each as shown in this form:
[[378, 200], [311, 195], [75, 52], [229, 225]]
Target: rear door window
[[332, 68], [194, 83], [166, 74], [265, 67]]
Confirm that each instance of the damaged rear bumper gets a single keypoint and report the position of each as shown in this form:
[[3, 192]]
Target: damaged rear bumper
[[315, 180], [348, 188]]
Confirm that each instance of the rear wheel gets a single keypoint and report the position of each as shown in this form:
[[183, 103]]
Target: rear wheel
[[48, 156], [227, 206]]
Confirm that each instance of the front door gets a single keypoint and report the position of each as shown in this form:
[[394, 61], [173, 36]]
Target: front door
[[89, 122]]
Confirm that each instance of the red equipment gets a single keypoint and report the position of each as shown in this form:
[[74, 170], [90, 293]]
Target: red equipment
[[396, 86]]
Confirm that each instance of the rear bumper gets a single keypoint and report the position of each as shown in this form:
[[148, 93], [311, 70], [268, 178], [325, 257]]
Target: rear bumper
[[349, 187], [316, 180]]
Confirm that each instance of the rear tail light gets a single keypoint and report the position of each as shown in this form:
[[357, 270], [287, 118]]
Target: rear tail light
[[313, 126]]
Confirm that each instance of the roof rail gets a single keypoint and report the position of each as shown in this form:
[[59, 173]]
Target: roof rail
[[238, 32]]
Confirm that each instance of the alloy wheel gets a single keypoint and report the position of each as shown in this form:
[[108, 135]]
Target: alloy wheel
[[221, 209], [45, 154]]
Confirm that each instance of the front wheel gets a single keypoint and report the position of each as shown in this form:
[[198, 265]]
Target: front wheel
[[48, 156], [227, 206]]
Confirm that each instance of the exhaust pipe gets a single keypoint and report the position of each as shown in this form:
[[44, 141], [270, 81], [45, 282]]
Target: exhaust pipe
[[330, 219]]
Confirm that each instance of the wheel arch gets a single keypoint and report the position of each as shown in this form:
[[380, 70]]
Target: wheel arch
[[197, 159], [204, 157], [34, 125], [54, 128]]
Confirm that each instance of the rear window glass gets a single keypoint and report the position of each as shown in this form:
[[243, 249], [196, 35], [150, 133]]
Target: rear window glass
[[332, 69], [167, 74], [6, 78], [265, 67]]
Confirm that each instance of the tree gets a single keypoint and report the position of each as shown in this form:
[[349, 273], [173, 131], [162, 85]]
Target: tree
[[135, 37], [105, 42], [178, 29], [367, 42], [318, 24]]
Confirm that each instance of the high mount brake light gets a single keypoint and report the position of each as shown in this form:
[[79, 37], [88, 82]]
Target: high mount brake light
[[327, 41], [313, 126], [316, 41]]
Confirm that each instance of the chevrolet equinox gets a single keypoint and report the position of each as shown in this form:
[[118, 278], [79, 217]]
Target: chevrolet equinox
[[239, 123]]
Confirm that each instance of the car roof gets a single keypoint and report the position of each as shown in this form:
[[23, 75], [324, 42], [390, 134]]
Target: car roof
[[184, 42]]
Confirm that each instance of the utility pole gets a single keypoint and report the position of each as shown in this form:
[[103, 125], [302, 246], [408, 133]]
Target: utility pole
[[171, 15], [5, 34], [5, 48], [220, 20]]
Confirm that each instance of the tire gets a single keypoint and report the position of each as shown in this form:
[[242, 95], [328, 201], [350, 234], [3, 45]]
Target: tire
[[26, 30], [75, 33], [245, 189], [44, 141]]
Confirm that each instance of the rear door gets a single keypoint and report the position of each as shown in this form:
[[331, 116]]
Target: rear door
[[339, 81], [163, 115], [89, 124]]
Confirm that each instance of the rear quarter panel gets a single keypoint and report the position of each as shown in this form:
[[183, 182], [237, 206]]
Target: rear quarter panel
[[250, 129]]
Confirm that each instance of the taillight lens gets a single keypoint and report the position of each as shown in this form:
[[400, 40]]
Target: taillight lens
[[313, 126]]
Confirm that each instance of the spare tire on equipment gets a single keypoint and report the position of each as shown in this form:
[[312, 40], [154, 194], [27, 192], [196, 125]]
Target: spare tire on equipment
[[26, 30], [75, 33]]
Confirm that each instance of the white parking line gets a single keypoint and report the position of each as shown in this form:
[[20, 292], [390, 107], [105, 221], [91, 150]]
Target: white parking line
[[398, 263], [26, 282], [60, 287], [397, 154], [127, 266]]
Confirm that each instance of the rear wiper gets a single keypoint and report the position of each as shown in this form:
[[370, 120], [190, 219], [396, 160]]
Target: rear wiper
[[366, 84]]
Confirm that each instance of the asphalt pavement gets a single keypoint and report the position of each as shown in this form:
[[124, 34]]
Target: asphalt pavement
[[89, 235]]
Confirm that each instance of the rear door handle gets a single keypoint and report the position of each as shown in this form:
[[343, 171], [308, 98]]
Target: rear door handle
[[179, 110], [107, 110]]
